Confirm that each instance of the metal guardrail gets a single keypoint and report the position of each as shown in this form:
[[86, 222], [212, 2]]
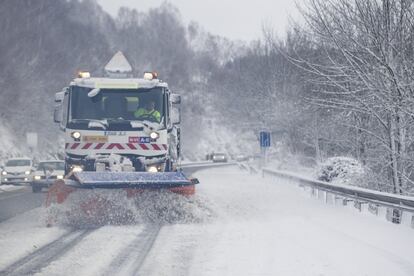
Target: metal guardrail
[[209, 164], [191, 168], [395, 204], [247, 167]]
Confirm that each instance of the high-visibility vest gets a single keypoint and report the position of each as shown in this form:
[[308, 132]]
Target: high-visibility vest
[[142, 111]]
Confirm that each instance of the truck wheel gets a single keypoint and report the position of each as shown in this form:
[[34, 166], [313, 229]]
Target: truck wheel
[[36, 189]]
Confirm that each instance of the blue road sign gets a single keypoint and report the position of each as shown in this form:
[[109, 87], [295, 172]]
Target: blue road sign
[[264, 139]]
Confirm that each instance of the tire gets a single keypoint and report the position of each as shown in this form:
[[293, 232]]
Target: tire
[[36, 189], [168, 166]]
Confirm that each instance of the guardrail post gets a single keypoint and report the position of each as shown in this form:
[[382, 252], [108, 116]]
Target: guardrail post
[[320, 194], [412, 221], [358, 205], [313, 191], [394, 215], [373, 209], [345, 201]]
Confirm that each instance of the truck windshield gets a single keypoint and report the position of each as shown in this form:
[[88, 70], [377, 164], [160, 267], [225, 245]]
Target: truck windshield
[[118, 104], [17, 163]]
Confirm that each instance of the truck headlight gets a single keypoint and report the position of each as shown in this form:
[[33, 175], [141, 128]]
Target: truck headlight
[[3, 173], [37, 177], [27, 172], [77, 168], [154, 135], [59, 177], [76, 135], [152, 169]]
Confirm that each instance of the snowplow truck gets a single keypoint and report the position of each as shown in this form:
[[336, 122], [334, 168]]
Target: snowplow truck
[[120, 133]]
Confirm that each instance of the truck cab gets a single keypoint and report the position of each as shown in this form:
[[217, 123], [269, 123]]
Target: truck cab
[[119, 123]]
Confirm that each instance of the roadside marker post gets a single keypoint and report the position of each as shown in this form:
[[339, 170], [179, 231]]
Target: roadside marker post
[[264, 139]]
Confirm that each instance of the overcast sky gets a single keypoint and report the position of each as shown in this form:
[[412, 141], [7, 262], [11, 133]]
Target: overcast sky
[[234, 19]]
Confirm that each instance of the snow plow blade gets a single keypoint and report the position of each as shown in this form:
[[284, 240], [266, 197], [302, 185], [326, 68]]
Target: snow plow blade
[[129, 180]]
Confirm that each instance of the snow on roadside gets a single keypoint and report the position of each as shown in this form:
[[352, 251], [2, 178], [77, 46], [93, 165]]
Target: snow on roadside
[[255, 226], [291, 164], [272, 227], [7, 144], [8, 188]]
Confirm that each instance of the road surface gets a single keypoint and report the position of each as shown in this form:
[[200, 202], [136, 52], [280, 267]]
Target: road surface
[[237, 224]]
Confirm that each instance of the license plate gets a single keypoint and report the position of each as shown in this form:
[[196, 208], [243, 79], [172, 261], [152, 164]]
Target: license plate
[[95, 139], [140, 140]]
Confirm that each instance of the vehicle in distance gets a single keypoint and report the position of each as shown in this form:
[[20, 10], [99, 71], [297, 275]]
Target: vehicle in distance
[[46, 173], [17, 171], [219, 157], [242, 157]]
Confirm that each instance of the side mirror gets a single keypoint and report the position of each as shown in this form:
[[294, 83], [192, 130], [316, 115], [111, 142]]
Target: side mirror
[[175, 98], [59, 96], [175, 115], [57, 115]]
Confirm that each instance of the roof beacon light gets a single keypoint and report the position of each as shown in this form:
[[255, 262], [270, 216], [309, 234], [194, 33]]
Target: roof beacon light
[[150, 75], [83, 74]]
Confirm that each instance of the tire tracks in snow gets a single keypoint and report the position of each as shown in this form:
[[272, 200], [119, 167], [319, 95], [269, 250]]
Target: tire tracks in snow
[[42, 257], [131, 259]]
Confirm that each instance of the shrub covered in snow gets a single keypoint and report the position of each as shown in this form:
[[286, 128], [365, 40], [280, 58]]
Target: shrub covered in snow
[[341, 170]]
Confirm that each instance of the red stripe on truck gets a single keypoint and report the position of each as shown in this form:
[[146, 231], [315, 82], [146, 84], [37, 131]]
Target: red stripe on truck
[[156, 147], [132, 146], [87, 146], [115, 145], [119, 146], [99, 145], [143, 146], [74, 145]]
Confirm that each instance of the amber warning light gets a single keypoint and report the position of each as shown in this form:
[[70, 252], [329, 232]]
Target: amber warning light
[[150, 75], [84, 74]]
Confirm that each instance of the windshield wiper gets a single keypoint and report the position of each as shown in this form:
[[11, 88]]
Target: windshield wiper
[[93, 122], [147, 124], [116, 120]]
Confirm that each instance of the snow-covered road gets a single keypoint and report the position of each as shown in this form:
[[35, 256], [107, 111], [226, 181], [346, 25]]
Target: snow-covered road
[[240, 224]]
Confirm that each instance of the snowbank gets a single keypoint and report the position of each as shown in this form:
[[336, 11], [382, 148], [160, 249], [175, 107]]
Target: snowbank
[[340, 170], [8, 146]]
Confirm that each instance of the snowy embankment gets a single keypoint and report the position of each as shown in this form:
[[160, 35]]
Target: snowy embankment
[[8, 188], [268, 227], [7, 149], [7, 144], [245, 225]]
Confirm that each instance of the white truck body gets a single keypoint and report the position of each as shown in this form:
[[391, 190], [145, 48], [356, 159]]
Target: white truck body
[[99, 119]]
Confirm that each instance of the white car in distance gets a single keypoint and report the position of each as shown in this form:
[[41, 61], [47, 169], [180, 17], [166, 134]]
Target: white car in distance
[[46, 173], [17, 171]]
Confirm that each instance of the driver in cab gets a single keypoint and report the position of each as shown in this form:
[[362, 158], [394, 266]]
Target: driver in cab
[[149, 112]]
